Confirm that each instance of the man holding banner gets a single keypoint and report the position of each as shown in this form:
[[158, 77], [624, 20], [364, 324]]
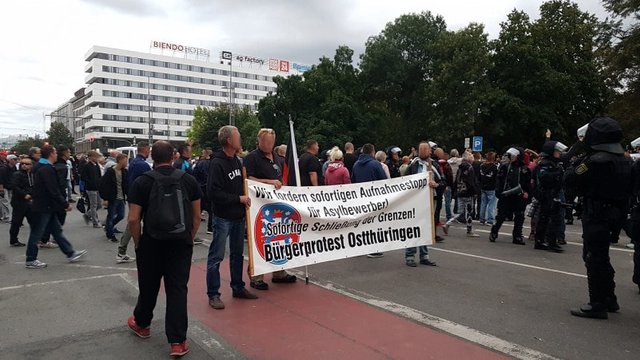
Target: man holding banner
[[225, 188], [423, 164], [264, 166]]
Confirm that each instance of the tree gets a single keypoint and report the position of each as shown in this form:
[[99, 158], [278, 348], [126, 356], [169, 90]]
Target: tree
[[397, 67], [59, 135], [207, 121], [324, 103], [23, 146], [620, 51], [545, 75]]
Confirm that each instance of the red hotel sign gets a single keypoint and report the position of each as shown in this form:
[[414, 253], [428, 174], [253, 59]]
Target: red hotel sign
[[181, 48]]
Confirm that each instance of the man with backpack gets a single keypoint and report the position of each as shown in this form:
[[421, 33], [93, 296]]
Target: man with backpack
[[168, 201]]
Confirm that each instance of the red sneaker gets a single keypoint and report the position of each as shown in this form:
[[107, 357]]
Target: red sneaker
[[179, 349], [138, 330]]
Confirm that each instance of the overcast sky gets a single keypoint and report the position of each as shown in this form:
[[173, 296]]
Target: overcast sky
[[44, 42]]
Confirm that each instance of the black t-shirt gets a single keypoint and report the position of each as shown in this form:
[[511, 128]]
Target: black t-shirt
[[349, 161], [261, 167], [309, 163], [141, 190]]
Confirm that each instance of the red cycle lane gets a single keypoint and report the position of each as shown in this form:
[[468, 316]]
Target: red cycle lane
[[298, 321]]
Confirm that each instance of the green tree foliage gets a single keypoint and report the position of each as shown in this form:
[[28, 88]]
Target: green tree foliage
[[59, 135], [206, 123], [325, 104], [23, 146], [620, 51]]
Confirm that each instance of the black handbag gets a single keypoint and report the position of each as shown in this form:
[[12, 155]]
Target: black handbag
[[81, 206]]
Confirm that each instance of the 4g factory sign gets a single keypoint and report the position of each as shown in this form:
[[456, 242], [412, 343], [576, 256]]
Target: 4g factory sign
[[297, 226]]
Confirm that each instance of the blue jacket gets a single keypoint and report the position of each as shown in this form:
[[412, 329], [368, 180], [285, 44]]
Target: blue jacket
[[137, 167], [367, 169]]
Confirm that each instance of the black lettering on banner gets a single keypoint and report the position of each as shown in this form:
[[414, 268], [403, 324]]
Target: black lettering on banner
[[262, 193]]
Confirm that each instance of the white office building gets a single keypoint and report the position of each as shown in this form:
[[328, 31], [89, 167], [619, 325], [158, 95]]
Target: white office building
[[129, 94]]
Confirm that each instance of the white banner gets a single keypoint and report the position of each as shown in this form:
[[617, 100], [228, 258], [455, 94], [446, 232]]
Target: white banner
[[297, 226]]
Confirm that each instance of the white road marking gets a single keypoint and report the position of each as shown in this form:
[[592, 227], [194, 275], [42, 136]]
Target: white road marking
[[568, 242], [127, 278], [26, 286], [459, 330], [104, 267], [509, 262]]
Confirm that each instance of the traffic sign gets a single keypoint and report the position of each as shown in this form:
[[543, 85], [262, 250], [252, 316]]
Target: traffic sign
[[477, 143]]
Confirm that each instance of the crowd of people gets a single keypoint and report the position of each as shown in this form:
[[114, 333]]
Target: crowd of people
[[170, 194]]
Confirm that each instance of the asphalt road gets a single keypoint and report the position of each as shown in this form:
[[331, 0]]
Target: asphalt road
[[511, 294]]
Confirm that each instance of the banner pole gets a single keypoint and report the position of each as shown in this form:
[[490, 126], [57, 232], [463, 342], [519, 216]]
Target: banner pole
[[247, 217], [296, 168], [431, 199]]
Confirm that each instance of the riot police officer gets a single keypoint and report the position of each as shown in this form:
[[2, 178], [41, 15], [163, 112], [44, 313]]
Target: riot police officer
[[635, 212], [548, 180], [603, 178], [513, 185]]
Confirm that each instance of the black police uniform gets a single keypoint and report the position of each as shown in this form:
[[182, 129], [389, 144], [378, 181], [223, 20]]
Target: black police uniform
[[635, 221], [603, 178], [509, 177], [548, 180]]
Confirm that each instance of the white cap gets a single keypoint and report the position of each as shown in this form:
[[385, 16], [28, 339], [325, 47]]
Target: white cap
[[635, 143], [433, 145], [635, 157], [398, 150], [582, 131], [513, 152]]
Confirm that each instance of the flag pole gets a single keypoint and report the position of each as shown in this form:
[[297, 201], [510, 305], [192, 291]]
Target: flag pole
[[248, 221], [296, 168]]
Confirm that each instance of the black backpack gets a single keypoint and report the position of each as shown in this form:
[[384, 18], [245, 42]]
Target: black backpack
[[168, 213]]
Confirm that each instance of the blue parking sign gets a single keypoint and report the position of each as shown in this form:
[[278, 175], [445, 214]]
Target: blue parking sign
[[477, 143]]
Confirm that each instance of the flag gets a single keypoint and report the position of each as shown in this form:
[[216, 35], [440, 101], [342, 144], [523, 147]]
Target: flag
[[291, 173]]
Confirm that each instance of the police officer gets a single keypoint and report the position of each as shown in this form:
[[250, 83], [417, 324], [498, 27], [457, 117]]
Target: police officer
[[603, 178], [635, 212], [513, 185], [548, 180]]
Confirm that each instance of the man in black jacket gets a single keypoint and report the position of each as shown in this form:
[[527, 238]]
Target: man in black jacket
[[22, 186], [113, 189], [464, 190], [513, 187], [225, 188], [61, 175], [47, 200], [548, 179]]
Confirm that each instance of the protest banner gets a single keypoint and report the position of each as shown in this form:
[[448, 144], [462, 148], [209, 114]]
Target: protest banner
[[298, 226]]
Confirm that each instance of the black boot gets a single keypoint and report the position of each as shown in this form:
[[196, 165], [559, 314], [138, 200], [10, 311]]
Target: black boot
[[518, 240], [591, 311], [552, 245], [540, 245], [493, 236], [612, 304]]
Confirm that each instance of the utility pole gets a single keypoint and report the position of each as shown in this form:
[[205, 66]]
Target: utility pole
[[230, 93]]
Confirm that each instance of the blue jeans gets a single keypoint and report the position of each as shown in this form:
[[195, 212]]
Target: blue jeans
[[410, 253], [488, 202], [41, 222], [114, 215], [223, 229], [447, 203]]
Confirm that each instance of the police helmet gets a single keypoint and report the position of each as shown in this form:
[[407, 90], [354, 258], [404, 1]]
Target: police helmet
[[604, 134]]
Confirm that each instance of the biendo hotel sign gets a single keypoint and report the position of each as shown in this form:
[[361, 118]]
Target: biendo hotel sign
[[191, 50]]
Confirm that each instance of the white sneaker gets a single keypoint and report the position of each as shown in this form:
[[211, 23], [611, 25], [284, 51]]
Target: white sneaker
[[120, 259], [35, 264], [77, 255], [630, 246]]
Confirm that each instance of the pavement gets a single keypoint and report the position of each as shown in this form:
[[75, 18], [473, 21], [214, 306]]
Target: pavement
[[483, 301]]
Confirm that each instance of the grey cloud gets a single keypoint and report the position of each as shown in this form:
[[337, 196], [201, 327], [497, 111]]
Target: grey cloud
[[299, 31], [133, 7]]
